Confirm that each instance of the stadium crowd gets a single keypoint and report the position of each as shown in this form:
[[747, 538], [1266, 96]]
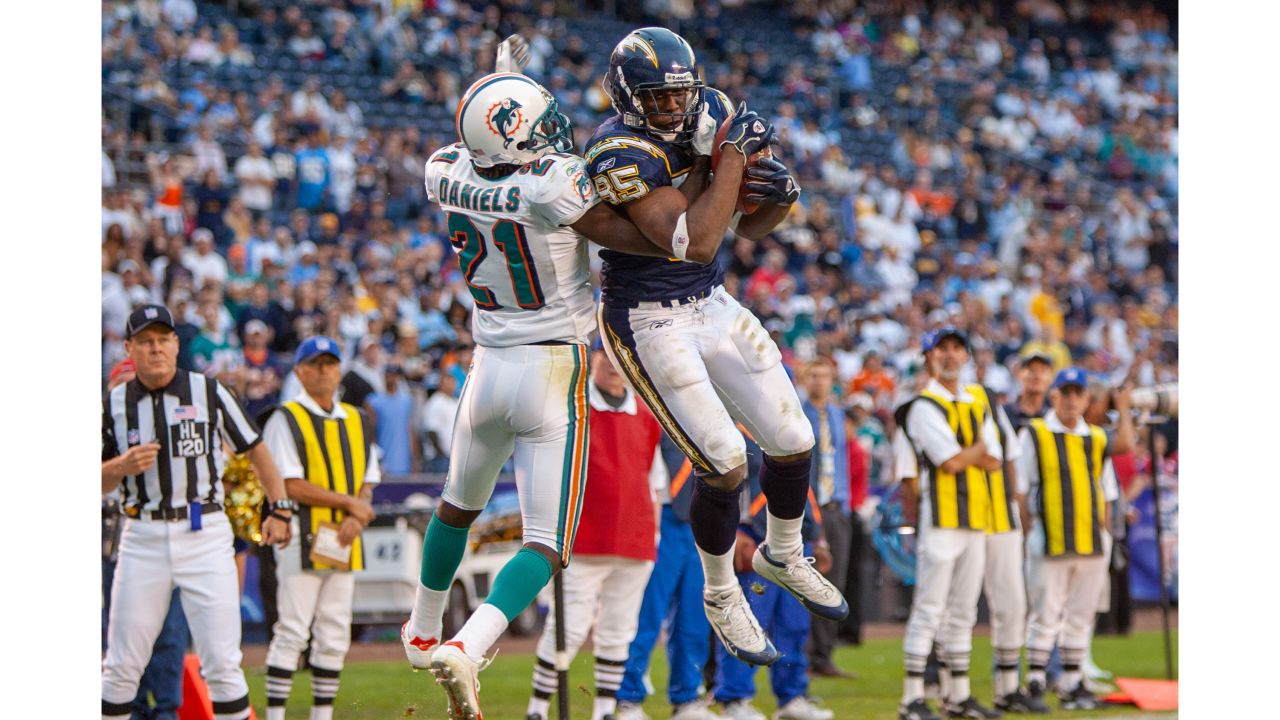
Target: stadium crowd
[[1009, 168]]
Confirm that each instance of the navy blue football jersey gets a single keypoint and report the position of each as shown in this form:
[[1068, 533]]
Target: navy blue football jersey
[[626, 165]]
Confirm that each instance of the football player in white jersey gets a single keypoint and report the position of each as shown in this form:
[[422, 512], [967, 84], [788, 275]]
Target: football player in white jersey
[[517, 208]]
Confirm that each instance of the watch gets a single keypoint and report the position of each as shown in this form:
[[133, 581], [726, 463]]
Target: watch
[[285, 504]]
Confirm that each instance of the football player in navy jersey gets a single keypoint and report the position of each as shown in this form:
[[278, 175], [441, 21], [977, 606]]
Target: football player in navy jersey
[[699, 359]]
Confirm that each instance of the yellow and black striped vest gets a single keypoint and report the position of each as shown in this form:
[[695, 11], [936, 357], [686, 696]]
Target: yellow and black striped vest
[[1070, 502], [334, 456], [972, 499]]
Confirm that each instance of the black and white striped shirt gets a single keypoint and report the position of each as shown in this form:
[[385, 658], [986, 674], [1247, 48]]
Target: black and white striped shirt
[[182, 417]]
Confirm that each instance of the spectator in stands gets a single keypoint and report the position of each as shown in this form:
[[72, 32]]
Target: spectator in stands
[[205, 264], [257, 179], [215, 349], [830, 480], [391, 411], [345, 117], [261, 374], [873, 379], [304, 44], [364, 377], [436, 422], [342, 172], [313, 173]]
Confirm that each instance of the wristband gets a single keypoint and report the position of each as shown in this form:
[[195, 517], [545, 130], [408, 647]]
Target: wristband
[[278, 516], [680, 238]]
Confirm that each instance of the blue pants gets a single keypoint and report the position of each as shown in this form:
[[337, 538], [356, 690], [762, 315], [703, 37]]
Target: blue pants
[[673, 597], [786, 622], [163, 677]]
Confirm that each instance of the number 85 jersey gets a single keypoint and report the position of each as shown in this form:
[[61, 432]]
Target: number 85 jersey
[[526, 269]]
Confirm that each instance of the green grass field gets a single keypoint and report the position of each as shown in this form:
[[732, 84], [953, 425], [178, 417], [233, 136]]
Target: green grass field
[[385, 690]]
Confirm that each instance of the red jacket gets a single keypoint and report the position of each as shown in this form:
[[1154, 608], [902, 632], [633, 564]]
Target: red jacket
[[618, 505]]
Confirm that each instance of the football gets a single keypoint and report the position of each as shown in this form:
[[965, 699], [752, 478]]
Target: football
[[744, 207]]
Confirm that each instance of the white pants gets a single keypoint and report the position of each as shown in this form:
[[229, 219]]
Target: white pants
[[702, 366], [1006, 590], [313, 604], [950, 565], [1064, 593], [602, 593], [530, 400], [155, 557]]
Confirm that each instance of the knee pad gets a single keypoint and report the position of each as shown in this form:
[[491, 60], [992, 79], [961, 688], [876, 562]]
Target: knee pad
[[795, 436]]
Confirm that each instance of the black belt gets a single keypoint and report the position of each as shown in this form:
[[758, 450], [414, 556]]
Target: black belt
[[178, 513], [669, 302], [554, 342]]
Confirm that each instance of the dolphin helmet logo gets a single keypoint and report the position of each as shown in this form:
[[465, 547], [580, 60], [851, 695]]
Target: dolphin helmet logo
[[504, 118]]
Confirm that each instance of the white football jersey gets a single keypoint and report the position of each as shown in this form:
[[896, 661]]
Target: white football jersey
[[525, 267]]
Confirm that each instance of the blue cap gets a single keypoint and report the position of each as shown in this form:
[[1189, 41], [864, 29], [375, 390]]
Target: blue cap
[[1071, 376], [933, 337], [315, 346]]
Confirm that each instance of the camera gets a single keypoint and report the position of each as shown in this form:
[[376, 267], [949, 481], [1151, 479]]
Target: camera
[[1158, 399]]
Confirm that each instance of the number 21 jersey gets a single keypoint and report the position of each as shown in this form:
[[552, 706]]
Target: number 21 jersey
[[526, 269]]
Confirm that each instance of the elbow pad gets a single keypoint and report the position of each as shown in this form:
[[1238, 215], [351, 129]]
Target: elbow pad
[[680, 238]]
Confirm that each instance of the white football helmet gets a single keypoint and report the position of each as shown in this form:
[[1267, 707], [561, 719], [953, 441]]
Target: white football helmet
[[508, 119]]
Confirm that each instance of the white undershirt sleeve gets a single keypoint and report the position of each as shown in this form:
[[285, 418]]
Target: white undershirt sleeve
[[930, 432], [279, 441]]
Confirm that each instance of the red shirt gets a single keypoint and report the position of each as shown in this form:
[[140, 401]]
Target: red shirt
[[618, 505], [859, 471]]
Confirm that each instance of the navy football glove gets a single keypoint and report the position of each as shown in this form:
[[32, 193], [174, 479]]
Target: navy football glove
[[748, 132], [769, 181]]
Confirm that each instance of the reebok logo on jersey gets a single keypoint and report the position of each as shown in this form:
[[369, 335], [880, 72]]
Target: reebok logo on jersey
[[660, 324], [606, 164]]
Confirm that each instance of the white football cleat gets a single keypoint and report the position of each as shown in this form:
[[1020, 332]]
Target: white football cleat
[[417, 649], [737, 627], [799, 577], [457, 672]]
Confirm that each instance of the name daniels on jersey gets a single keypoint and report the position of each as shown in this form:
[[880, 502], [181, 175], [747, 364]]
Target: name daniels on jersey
[[469, 197]]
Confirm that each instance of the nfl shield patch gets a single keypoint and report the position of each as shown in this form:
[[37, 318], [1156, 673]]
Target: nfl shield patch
[[134, 437]]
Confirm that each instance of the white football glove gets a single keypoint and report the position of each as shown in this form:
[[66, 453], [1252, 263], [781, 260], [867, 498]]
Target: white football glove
[[705, 135], [513, 55]]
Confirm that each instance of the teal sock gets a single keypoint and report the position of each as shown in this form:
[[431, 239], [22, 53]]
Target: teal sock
[[519, 582], [442, 551]]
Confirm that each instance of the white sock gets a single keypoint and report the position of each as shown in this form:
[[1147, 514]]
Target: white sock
[[426, 621], [1036, 676], [783, 537], [481, 631], [1070, 680], [603, 706], [275, 712], [912, 689], [944, 676], [959, 688], [538, 706], [718, 570], [321, 712], [1006, 681]]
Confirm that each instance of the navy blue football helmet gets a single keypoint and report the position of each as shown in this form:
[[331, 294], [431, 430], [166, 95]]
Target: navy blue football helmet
[[655, 84]]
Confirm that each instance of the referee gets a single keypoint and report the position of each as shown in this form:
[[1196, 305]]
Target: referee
[[162, 436]]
